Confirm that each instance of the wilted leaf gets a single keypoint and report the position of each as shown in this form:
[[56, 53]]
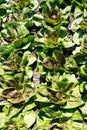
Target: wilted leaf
[[50, 63], [12, 95]]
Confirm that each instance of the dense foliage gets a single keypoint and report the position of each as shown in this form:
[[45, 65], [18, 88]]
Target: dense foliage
[[43, 64]]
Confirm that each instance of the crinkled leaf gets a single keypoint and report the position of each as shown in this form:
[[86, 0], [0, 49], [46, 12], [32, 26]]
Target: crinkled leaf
[[29, 118], [3, 119], [78, 12], [84, 110], [29, 71], [75, 25], [73, 104], [77, 38], [68, 43], [83, 72], [71, 64]]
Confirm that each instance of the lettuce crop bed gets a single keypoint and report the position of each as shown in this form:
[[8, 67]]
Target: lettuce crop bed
[[43, 64]]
